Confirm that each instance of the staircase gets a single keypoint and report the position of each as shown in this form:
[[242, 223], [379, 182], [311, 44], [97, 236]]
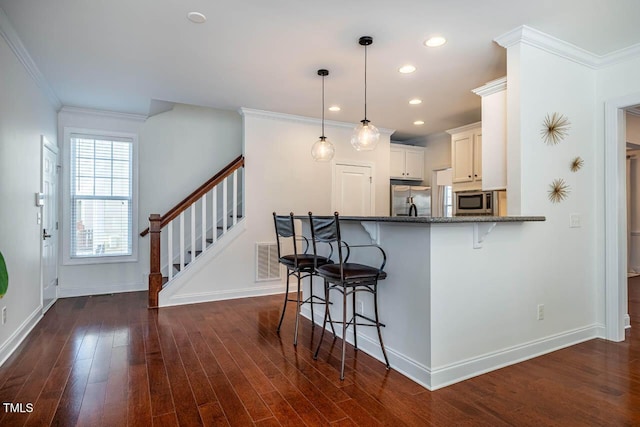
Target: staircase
[[193, 226]]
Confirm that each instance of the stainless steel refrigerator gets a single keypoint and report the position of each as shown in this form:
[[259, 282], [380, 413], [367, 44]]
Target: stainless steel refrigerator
[[410, 200]]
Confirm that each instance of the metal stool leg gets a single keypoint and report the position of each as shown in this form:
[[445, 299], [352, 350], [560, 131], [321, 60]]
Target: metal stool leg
[[333, 330], [284, 307], [324, 323], [353, 316], [295, 337], [344, 332], [375, 304], [313, 322]]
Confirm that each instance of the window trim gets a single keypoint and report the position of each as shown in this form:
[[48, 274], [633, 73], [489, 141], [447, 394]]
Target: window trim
[[66, 199]]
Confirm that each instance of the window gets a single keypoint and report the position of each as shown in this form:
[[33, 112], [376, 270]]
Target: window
[[101, 197], [448, 201]]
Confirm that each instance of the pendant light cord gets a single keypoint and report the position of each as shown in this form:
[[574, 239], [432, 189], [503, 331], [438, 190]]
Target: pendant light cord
[[323, 106], [365, 82]]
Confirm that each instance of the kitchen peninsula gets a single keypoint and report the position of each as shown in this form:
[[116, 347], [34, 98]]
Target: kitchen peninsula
[[441, 273]]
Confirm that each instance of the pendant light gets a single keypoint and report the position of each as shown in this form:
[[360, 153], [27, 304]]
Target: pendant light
[[365, 136], [322, 150]]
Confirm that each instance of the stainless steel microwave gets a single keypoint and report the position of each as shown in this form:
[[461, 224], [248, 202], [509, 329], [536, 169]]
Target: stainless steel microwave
[[480, 203]]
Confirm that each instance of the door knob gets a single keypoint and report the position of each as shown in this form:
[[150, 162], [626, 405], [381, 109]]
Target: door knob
[[45, 236]]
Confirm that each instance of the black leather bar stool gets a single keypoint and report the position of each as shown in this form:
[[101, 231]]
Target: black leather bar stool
[[347, 278], [300, 265]]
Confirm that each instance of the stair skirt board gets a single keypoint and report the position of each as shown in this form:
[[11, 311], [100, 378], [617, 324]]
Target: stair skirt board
[[221, 295], [181, 279]]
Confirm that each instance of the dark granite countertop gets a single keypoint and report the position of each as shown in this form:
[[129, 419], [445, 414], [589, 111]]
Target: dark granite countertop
[[437, 220]]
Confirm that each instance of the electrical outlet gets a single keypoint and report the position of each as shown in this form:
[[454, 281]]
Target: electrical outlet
[[574, 221], [4, 315], [360, 307], [540, 311]]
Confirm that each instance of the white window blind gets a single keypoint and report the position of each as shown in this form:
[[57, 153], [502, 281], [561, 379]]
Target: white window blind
[[101, 196]]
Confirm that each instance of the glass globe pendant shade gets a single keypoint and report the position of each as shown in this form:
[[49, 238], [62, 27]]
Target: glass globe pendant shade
[[365, 136], [322, 150]]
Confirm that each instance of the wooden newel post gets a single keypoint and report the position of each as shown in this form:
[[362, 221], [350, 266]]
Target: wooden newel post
[[155, 275]]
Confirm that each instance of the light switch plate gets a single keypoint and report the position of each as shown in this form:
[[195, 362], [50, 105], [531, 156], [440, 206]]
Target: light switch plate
[[574, 221]]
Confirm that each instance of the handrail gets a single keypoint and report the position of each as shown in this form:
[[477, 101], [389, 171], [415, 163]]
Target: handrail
[[198, 193]]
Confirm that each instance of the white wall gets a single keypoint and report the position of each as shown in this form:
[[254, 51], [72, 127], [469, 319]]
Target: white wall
[[280, 176], [523, 265], [25, 115], [177, 151]]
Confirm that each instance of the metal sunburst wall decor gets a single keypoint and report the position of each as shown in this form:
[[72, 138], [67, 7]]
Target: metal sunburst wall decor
[[559, 190], [577, 164], [555, 128]]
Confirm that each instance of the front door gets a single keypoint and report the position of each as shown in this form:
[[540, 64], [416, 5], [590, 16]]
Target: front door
[[352, 190], [49, 264]]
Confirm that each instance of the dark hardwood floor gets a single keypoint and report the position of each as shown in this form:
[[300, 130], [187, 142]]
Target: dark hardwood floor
[[109, 361]]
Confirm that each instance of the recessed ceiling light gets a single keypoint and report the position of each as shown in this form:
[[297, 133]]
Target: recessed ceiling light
[[435, 41], [415, 101], [196, 17], [406, 69], [418, 122], [334, 108]]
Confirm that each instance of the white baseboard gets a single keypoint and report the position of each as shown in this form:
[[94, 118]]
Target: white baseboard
[[398, 361], [627, 321], [223, 295], [456, 372], [435, 378], [100, 290], [10, 345]]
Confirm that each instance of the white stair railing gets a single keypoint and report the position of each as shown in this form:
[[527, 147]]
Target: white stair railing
[[207, 222]]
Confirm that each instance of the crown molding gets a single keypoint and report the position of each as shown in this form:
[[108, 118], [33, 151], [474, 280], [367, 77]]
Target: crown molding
[[620, 55], [9, 34], [491, 87], [249, 112], [102, 113], [553, 45], [464, 128], [563, 49]]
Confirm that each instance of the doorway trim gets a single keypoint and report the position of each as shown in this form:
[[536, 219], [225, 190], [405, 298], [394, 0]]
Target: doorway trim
[[615, 187]]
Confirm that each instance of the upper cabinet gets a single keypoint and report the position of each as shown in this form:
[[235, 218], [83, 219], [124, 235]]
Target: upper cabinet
[[479, 150], [494, 131], [407, 162], [466, 157]]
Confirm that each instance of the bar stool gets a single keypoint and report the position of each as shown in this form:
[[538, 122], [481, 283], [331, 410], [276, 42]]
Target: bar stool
[[348, 279], [298, 265]]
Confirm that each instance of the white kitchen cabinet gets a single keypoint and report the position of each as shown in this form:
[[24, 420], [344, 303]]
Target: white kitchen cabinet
[[466, 157], [494, 130], [407, 162]]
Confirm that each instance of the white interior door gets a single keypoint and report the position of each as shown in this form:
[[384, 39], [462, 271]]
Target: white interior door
[[353, 190], [49, 264]]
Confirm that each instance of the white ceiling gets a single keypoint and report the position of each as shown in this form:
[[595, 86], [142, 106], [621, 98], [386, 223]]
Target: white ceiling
[[120, 54]]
